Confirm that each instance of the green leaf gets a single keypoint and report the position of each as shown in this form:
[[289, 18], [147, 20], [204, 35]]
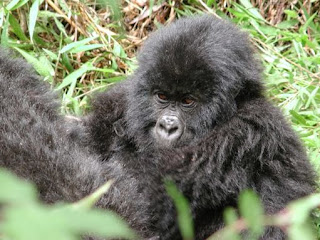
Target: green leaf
[[37, 222], [12, 4], [64, 6], [254, 12], [301, 208], [210, 3], [115, 79], [90, 200], [4, 34], [1, 17], [16, 28], [183, 210], [308, 22], [117, 49], [24, 218], [72, 77], [151, 4], [33, 17], [34, 222], [86, 48], [44, 70], [291, 13], [66, 62], [74, 45], [105, 70], [296, 116], [287, 24], [48, 14], [230, 215], [311, 98], [115, 7], [46, 65], [12, 189], [52, 56], [268, 30], [102, 224], [60, 26], [299, 211], [251, 210], [303, 231]]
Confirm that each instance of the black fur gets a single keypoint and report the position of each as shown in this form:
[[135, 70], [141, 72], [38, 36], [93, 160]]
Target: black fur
[[234, 139], [33, 137]]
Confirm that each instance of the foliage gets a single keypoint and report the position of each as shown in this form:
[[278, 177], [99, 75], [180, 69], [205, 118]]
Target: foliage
[[294, 219], [81, 47], [184, 215], [24, 217]]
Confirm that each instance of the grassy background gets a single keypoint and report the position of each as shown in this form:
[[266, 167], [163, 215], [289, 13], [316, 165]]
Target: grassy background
[[83, 47]]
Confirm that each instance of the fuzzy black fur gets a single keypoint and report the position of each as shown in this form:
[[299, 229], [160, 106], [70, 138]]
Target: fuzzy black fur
[[234, 138]]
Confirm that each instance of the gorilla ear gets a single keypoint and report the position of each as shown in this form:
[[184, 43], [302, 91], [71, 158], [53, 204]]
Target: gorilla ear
[[118, 127]]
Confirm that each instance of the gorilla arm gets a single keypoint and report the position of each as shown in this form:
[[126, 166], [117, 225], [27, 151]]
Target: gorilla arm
[[33, 141]]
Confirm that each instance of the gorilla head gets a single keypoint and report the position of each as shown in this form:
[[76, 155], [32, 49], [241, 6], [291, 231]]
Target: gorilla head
[[189, 82]]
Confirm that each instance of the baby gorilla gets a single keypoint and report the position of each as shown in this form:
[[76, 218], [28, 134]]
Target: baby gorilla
[[194, 112]]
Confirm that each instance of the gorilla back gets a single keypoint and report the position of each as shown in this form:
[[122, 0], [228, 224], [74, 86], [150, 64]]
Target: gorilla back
[[194, 112]]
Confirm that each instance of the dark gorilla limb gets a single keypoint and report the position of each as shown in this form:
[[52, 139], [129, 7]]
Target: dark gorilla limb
[[33, 137]]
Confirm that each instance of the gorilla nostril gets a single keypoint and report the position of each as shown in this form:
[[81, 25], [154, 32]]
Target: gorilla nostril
[[172, 130], [162, 126]]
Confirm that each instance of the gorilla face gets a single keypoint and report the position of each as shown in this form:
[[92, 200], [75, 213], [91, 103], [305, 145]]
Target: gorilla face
[[170, 115], [171, 128], [187, 83]]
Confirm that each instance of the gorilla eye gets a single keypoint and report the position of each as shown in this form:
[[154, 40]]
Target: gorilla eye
[[187, 101], [162, 97]]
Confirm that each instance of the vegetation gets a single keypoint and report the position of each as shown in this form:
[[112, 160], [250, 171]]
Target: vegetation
[[82, 47]]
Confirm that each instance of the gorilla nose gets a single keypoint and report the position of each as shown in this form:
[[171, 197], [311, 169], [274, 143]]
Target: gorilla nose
[[169, 128]]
